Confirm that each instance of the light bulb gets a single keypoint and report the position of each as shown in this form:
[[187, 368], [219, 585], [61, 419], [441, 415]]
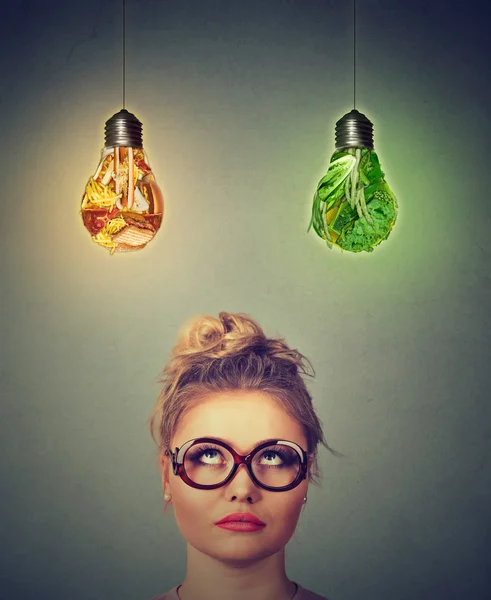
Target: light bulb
[[353, 206], [122, 206]]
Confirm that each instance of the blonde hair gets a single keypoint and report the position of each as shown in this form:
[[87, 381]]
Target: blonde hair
[[232, 353]]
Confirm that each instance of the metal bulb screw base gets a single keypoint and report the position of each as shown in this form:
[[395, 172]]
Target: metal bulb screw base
[[354, 130], [123, 129]]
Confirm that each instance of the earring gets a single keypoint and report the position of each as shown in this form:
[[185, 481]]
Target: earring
[[167, 497], [305, 499]]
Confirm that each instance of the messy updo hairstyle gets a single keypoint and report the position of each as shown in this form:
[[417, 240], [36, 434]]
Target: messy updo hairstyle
[[232, 353]]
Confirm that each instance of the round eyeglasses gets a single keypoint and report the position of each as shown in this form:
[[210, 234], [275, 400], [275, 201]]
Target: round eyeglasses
[[207, 463]]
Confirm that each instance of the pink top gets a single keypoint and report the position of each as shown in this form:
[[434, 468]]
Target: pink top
[[301, 594]]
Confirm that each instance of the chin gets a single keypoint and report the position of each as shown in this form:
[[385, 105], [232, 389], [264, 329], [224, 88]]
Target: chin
[[240, 552]]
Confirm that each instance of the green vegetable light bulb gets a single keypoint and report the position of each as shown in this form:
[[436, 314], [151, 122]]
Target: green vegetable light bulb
[[354, 208]]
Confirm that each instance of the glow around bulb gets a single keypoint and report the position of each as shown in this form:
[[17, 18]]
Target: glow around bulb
[[122, 206], [354, 208]]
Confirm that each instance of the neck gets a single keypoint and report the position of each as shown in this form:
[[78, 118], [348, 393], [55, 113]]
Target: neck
[[208, 578]]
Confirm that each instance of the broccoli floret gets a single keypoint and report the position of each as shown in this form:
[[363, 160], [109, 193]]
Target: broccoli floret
[[361, 235]]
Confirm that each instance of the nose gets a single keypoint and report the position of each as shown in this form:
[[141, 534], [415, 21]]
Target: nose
[[242, 467], [241, 486]]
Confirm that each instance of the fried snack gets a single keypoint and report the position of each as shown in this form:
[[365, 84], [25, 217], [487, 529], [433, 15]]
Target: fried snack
[[99, 195], [105, 169], [115, 225], [131, 178], [128, 248], [133, 236], [104, 240]]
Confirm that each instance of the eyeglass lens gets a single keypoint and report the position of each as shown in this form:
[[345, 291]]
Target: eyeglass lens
[[209, 464]]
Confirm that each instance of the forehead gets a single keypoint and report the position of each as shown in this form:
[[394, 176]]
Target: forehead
[[242, 418]]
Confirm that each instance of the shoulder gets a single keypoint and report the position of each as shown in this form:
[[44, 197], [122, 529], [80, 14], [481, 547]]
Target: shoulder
[[305, 594], [170, 595]]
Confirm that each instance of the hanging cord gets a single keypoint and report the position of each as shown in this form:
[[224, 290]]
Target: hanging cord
[[124, 51], [354, 53]]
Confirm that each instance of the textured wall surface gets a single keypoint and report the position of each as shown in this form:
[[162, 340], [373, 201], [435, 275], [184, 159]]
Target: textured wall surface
[[238, 102]]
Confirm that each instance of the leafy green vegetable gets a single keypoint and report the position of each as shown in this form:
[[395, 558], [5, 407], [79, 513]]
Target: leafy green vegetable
[[360, 235], [374, 171], [336, 195], [354, 213], [365, 158], [363, 176], [316, 220], [345, 215], [338, 170]]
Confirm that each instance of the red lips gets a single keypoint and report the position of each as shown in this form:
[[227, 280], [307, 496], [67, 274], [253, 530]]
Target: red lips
[[243, 517]]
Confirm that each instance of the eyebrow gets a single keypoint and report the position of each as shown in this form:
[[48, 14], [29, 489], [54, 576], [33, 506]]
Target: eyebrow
[[219, 439]]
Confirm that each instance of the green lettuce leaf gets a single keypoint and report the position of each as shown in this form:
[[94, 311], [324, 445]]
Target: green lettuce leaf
[[338, 170], [360, 235]]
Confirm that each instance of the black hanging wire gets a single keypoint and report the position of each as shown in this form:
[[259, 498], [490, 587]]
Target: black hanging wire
[[354, 53], [354, 130], [123, 128], [124, 50]]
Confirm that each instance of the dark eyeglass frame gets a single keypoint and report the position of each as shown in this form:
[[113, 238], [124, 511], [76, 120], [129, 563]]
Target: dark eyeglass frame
[[179, 470]]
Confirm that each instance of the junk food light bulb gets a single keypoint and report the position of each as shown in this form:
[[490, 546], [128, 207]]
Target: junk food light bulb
[[353, 206], [122, 206]]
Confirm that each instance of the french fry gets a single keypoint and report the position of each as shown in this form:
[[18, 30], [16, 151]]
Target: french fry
[[98, 194]]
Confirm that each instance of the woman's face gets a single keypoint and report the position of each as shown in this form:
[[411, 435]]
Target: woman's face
[[241, 418]]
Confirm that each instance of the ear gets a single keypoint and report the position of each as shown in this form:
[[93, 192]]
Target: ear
[[310, 462], [165, 465]]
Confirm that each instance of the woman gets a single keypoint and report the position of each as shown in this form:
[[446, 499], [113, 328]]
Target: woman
[[237, 437]]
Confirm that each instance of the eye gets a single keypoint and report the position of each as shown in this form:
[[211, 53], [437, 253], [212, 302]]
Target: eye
[[210, 454], [207, 455], [272, 457], [276, 457]]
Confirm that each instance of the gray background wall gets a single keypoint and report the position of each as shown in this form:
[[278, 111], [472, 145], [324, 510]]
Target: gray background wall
[[238, 101]]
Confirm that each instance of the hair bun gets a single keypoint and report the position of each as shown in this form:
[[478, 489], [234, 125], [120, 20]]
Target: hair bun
[[227, 333]]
